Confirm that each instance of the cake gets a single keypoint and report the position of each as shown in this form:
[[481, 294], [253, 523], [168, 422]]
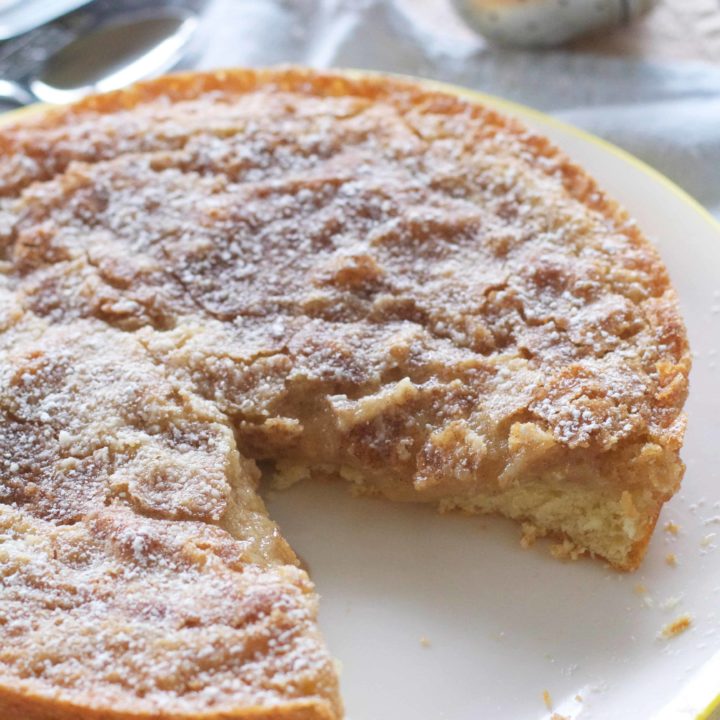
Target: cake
[[323, 276]]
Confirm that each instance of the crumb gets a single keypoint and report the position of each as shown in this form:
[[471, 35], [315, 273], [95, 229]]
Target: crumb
[[671, 602], [556, 716], [672, 528], [424, 642], [707, 540], [288, 474], [578, 697], [671, 559], [566, 550], [547, 699], [676, 627], [363, 491], [642, 591], [530, 534]]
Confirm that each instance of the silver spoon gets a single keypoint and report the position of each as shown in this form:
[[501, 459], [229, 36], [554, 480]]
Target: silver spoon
[[128, 49], [19, 16]]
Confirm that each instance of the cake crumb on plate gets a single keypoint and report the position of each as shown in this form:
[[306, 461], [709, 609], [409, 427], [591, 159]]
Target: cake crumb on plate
[[671, 602], [547, 699], [566, 550], [530, 534], [706, 541], [676, 627]]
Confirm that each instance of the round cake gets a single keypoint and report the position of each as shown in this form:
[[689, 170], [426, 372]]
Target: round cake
[[322, 276]]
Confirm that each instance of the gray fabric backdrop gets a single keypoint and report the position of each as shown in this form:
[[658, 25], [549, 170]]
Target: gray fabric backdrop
[[667, 114]]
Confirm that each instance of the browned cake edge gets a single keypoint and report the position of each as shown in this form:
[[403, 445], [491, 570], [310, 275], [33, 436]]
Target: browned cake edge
[[17, 706]]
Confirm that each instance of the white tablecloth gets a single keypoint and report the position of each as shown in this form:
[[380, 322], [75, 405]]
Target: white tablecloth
[[666, 114]]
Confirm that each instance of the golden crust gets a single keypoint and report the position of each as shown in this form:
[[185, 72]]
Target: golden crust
[[16, 704], [351, 274]]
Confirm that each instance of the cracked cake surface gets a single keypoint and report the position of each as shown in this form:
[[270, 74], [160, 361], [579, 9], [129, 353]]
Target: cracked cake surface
[[343, 277]]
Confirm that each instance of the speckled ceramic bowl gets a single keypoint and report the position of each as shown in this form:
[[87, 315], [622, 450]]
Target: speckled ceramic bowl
[[543, 23]]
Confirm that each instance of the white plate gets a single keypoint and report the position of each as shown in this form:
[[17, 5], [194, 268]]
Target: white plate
[[504, 624], [447, 618]]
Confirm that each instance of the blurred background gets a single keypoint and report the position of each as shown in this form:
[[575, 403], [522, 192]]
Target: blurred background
[[643, 74]]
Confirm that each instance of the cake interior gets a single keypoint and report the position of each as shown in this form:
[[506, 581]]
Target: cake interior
[[605, 507]]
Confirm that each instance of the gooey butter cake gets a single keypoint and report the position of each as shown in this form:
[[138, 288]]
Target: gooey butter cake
[[334, 276]]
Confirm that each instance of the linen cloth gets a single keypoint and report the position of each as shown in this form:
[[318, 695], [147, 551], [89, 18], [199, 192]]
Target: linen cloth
[[667, 113]]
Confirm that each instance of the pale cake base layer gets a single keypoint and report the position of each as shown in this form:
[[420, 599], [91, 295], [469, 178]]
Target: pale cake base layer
[[592, 521]]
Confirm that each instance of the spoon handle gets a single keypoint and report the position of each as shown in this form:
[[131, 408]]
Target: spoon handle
[[15, 93], [22, 16]]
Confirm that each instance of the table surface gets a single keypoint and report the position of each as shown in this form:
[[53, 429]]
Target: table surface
[[675, 30]]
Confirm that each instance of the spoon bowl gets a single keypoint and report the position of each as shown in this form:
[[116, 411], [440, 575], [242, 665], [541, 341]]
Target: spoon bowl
[[129, 48]]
